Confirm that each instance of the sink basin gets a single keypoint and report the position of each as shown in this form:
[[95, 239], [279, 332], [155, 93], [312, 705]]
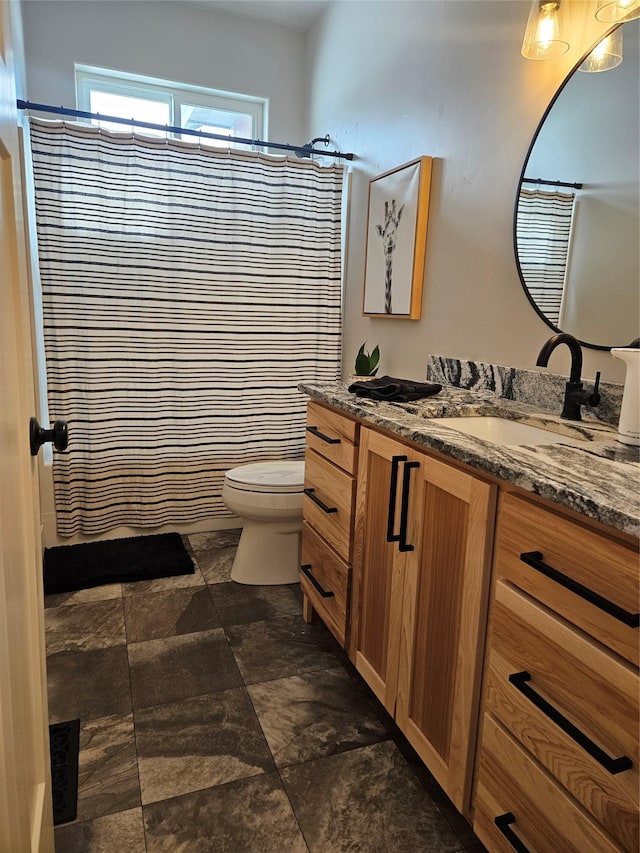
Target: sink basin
[[506, 432]]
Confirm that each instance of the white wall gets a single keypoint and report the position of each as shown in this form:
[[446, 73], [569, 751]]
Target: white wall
[[392, 80], [171, 41]]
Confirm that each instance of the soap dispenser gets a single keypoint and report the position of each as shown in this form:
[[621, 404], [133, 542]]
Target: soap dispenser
[[629, 426]]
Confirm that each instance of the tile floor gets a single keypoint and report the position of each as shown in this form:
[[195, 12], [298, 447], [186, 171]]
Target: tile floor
[[214, 719]]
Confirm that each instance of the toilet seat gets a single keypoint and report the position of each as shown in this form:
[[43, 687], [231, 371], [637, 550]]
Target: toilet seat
[[270, 477]]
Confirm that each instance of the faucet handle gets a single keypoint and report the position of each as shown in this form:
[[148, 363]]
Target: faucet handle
[[594, 398]]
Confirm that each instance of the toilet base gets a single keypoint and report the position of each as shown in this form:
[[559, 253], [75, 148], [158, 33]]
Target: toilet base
[[268, 553]]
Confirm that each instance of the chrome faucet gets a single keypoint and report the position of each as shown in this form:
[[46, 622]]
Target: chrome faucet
[[575, 395]]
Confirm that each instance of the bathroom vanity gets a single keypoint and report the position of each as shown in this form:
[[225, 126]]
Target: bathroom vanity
[[488, 594]]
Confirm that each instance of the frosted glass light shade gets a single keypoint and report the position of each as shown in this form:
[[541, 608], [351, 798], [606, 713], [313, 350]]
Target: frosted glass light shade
[[605, 55], [543, 38], [614, 11]]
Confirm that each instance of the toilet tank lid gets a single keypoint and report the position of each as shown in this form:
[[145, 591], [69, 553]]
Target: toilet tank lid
[[276, 474]]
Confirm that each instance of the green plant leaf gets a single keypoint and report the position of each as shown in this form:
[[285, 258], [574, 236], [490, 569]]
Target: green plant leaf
[[362, 364], [366, 364]]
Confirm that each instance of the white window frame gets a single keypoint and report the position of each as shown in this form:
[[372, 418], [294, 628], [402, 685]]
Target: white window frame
[[174, 94]]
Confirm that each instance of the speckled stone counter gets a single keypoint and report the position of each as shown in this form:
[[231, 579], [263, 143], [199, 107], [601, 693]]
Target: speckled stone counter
[[596, 475]]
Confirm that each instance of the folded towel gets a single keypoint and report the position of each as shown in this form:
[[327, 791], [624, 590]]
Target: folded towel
[[394, 390]]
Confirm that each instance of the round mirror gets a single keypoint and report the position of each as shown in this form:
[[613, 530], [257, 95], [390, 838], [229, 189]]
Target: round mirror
[[576, 222]]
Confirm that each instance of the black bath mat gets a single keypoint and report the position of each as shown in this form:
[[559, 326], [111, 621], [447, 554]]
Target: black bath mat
[[138, 558], [64, 745]]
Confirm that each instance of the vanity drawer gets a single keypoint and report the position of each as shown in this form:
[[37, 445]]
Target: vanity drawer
[[325, 582], [537, 659], [328, 502], [510, 784], [590, 579], [333, 436]]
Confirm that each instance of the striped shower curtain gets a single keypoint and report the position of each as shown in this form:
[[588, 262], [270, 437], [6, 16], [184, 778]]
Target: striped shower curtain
[[186, 292], [543, 231]]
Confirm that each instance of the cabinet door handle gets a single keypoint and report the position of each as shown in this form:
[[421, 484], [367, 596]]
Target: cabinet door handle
[[612, 765], [404, 506], [503, 822], [535, 560], [306, 570], [393, 488], [315, 431], [311, 493]]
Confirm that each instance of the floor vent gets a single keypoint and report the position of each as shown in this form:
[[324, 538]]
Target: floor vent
[[64, 744]]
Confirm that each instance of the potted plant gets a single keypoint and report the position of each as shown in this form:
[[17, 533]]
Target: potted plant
[[366, 365]]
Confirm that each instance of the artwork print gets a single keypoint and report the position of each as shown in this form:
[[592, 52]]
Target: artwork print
[[396, 239]]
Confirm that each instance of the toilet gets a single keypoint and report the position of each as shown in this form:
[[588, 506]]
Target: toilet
[[268, 497]]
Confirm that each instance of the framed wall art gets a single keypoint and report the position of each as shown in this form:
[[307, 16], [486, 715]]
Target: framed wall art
[[396, 241]]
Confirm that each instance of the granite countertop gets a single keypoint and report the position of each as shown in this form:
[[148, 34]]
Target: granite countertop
[[596, 476]]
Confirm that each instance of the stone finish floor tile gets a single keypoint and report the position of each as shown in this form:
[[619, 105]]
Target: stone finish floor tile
[[80, 627], [238, 604], [456, 821], [366, 800], [108, 769], [309, 716], [179, 667], [201, 746], [214, 540], [248, 816], [185, 610], [283, 646], [89, 684], [84, 596], [164, 584], [115, 833], [460, 826], [214, 553], [198, 743]]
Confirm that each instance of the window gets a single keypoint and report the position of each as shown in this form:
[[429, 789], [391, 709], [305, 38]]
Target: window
[[99, 90]]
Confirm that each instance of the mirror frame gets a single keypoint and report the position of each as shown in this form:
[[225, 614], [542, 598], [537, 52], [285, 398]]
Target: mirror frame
[[520, 179]]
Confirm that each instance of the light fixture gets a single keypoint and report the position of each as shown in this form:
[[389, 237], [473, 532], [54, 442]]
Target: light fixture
[[606, 54], [542, 38], [615, 11]]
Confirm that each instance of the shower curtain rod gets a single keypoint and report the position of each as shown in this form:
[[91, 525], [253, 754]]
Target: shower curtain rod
[[551, 183], [300, 150]]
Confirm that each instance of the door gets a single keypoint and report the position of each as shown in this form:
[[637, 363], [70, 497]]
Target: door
[[378, 564], [421, 570], [25, 788], [442, 634]]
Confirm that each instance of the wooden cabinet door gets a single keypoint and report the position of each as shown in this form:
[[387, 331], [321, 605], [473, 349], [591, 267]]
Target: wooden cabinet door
[[378, 566], [444, 613]]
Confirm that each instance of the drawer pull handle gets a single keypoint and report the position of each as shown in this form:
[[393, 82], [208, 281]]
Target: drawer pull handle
[[306, 571], [535, 560], [404, 506], [315, 431], [612, 765], [393, 488], [311, 493], [503, 822]]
